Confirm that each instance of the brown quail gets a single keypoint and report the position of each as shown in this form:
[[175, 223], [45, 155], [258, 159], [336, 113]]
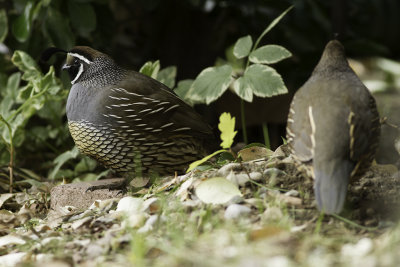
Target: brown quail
[[333, 128]]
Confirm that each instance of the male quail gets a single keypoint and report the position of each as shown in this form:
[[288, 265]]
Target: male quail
[[333, 128], [130, 122]]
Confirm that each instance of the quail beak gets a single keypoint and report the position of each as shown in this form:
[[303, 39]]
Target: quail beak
[[66, 67]]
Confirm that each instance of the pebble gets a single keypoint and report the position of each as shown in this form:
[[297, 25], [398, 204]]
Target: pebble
[[292, 193], [225, 170], [361, 249], [130, 205], [242, 178], [239, 179], [235, 211]]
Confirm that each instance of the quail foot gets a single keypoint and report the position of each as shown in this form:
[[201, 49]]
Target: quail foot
[[333, 128], [129, 122]]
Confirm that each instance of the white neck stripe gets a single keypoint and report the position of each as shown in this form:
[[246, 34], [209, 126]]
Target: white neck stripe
[[80, 57], [78, 74]]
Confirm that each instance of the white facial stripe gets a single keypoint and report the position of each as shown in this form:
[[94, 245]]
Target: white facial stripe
[[80, 57], [78, 74]]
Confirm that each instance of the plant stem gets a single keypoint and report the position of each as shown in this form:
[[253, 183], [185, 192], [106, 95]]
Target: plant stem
[[266, 135], [353, 223], [26, 103], [11, 164], [243, 117]]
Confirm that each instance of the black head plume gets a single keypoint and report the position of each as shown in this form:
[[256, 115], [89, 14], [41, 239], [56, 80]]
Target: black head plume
[[46, 54]]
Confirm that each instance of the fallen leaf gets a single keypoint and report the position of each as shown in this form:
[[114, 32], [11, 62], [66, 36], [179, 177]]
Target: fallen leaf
[[217, 190], [254, 152]]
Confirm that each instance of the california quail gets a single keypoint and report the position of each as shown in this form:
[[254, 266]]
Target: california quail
[[333, 128], [130, 122]]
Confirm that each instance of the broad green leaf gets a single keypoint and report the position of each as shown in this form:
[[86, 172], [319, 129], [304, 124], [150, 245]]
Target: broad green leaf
[[27, 65], [150, 69], [217, 190], [49, 83], [272, 25], [21, 26], [13, 84], [61, 159], [10, 94], [244, 91], [183, 88], [210, 84], [167, 76], [58, 29], [243, 46], [201, 161], [269, 54], [261, 80], [227, 127], [83, 17], [3, 25]]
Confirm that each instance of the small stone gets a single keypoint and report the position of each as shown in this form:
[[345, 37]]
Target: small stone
[[235, 211], [228, 168], [130, 205], [292, 193], [256, 176], [239, 179], [80, 194], [361, 249]]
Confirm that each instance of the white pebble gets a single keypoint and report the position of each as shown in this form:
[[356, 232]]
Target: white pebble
[[228, 168], [234, 211]]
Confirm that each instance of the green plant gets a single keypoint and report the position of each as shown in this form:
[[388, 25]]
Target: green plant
[[253, 78], [227, 127]]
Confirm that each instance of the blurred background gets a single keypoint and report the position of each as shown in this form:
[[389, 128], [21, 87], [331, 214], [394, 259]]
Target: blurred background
[[191, 35]]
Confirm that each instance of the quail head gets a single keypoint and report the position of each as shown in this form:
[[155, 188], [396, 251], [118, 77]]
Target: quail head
[[333, 128], [130, 122]]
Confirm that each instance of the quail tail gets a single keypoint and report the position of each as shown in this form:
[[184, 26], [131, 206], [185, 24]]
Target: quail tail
[[330, 185]]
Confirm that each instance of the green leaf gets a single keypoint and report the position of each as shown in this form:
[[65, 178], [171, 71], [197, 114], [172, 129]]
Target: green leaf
[[272, 25], [61, 159], [58, 29], [183, 88], [150, 69], [210, 84], [3, 25], [27, 65], [201, 161], [269, 54], [83, 17], [10, 94], [21, 26], [167, 76], [227, 127], [243, 46], [217, 190], [49, 82], [260, 80]]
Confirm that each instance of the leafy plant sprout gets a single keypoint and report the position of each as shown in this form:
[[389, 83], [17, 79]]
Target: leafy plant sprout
[[257, 78]]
